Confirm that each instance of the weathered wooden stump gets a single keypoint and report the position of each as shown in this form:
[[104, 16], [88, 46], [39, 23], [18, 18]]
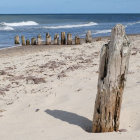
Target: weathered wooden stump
[[77, 40], [56, 39], [114, 61], [89, 37], [33, 41], [17, 41], [23, 40], [39, 39], [48, 39], [63, 38], [27, 42], [69, 39]]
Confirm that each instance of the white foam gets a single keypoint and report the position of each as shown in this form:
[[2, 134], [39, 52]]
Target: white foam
[[71, 26], [6, 28], [23, 23], [133, 23], [102, 31]]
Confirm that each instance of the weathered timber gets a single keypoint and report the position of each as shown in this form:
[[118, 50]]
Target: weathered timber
[[23, 40], [77, 40], [33, 41], [69, 39], [17, 41], [48, 39], [63, 38], [27, 42], [114, 61], [39, 39], [56, 39], [88, 37]]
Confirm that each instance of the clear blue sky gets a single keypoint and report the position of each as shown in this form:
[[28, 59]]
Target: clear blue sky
[[69, 6]]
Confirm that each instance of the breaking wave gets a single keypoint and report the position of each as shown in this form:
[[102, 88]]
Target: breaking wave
[[71, 26], [6, 28], [133, 23], [23, 23], [102, 31]]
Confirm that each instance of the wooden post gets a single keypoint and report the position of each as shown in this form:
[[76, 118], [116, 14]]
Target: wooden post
[[77, 40], [114, 61], [69, 39], [27, 42], [63, 38], [48, 39], [23, 40], [17, 40], [89, 37], [39, 39], [56, 39], [33, 41]]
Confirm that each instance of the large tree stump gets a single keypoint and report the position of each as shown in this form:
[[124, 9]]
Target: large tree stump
[[63, 38], [23, 40], [69, 39], [39, 39], [17, 41], [48, 39], [89, 37], [114, 61], [77, 40], [56, 39]]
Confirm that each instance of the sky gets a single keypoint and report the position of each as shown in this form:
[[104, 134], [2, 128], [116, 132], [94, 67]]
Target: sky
[[69, 6]]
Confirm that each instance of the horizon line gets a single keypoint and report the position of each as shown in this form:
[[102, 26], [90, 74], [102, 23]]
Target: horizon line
[[59, 13]]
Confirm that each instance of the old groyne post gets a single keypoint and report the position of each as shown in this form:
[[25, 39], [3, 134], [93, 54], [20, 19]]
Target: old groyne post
[[17, 41], [114, 61], [48, 39], [56, 39], [69, 39], [88, 37], [33, 41], [63, 38], [39, 39], [77, 40], [27, 42], [23, 40]]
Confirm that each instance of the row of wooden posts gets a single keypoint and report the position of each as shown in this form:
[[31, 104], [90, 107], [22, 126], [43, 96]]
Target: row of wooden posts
[[48, 41]]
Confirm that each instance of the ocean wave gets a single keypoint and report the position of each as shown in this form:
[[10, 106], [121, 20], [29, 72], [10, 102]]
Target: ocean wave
[[102, 31], [133, 23], [6, 28], [23, 23], [71, 26]]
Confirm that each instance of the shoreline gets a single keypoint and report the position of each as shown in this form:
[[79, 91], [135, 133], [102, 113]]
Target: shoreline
[[22, 50]]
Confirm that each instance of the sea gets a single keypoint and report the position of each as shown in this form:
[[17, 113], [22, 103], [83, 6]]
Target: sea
[[30, 25]]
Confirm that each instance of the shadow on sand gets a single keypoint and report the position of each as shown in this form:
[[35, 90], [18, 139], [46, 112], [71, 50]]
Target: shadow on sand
[[71, 118]]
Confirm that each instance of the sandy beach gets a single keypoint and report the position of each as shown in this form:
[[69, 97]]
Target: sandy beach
[[48, 92]]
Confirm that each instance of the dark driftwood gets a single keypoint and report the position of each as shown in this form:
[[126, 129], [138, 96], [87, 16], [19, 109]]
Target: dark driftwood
[[114, 61]]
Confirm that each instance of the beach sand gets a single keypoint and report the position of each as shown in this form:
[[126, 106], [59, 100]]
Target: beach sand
[[48, 93]]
